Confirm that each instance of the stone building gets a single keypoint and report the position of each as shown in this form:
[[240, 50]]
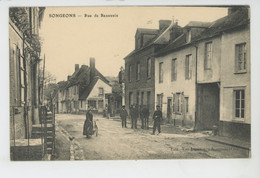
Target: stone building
[[24, 50], [203, 76]]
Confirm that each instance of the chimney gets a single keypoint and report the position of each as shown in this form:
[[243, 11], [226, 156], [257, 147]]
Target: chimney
[[69, 76], [76, 67], [92, 62], [164, 24]]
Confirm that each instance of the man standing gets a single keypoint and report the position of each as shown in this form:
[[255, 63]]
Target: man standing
[[157, 117], [123, 115], [133, 114], [145, 114]]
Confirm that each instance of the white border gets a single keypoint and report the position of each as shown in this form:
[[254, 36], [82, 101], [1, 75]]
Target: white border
[[164, 168]]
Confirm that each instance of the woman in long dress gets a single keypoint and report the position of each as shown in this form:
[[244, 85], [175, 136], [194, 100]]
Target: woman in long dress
[[88, 124]]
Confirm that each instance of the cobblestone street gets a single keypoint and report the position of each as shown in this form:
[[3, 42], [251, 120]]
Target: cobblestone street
[[116, 143]]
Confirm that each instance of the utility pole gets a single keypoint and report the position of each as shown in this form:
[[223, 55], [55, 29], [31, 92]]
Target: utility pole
[[43, 79]]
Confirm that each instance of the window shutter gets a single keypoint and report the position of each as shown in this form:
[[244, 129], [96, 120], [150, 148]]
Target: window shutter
[[182, 105], [173, 103]]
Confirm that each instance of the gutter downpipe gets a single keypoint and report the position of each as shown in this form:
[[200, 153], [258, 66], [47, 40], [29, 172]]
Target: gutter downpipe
[[196, 90]]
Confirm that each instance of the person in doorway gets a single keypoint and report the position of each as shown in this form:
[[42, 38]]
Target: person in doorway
[[123, 115], [157, 118]]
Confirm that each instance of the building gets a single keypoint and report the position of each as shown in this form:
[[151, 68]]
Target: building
[[25, 48], [85, 87], [139, 77], [235, 89], [203, 76], [24, 59]]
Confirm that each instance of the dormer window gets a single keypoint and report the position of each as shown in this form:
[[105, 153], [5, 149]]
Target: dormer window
[[188, 36]]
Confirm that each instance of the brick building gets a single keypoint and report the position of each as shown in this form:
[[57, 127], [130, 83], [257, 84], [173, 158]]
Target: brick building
[[139, 64]]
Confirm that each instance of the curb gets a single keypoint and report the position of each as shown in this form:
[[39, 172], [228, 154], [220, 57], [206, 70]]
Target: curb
[[230, 144], [76, 151]]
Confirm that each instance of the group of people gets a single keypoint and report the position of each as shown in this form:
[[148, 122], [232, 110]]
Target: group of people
[[143, 113]]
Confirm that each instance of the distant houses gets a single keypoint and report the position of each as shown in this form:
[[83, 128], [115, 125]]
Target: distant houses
[[86, 87], [199, 74]]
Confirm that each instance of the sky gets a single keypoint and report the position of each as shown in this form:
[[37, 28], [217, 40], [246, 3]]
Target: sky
[[67, 41]]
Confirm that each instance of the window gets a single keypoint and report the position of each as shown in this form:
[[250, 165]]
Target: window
[[81, 104], [148, 99], [240, 57], [131, 99], [92, 104], [188, 36], [174, 70], [208, 55], [142, 98], [160, 72], [160, 100], [22, 75], [186, 104], [188, 67], [173, 103], [239, 96], [137, 98], [130, 73], [138, 71], [149, 67], [100, 92], [178, 103]]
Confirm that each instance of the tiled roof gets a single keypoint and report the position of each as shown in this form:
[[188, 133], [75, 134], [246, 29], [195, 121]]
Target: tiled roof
[[150, 42], [198, 24], [230, 22], [147, 31], [90, 87]]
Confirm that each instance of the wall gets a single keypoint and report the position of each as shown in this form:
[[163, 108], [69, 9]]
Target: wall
[[231, 80], [95, 92], [168, 87], [144, 84], [213, 74]]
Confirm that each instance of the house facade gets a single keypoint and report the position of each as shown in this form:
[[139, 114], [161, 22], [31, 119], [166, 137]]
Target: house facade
[[24, 58], [139, 72], [203, 77], [235, 95], [85, 87]]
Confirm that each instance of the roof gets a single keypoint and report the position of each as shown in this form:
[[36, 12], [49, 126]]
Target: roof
[[230, 22], [78, 76], [152, 41], [198, 24], [147, 31], [89, 88]]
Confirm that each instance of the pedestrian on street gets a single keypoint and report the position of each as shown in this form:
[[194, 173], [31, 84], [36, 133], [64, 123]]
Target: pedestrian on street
[[88, 124], [145, 114], [133, 114], [157, 118], [141, 116], [123, 115]]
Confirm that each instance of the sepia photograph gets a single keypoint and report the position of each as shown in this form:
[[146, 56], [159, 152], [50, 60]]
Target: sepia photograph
[[129, 83]]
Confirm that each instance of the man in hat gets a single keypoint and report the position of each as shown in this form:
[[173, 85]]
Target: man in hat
[[123, 115], [157, 117]]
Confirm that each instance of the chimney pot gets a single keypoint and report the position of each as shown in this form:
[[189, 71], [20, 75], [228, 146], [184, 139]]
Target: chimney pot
[[76, 67], [92, 62]]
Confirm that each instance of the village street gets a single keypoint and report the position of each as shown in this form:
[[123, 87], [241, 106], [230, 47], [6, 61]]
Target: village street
[[116, 143]]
